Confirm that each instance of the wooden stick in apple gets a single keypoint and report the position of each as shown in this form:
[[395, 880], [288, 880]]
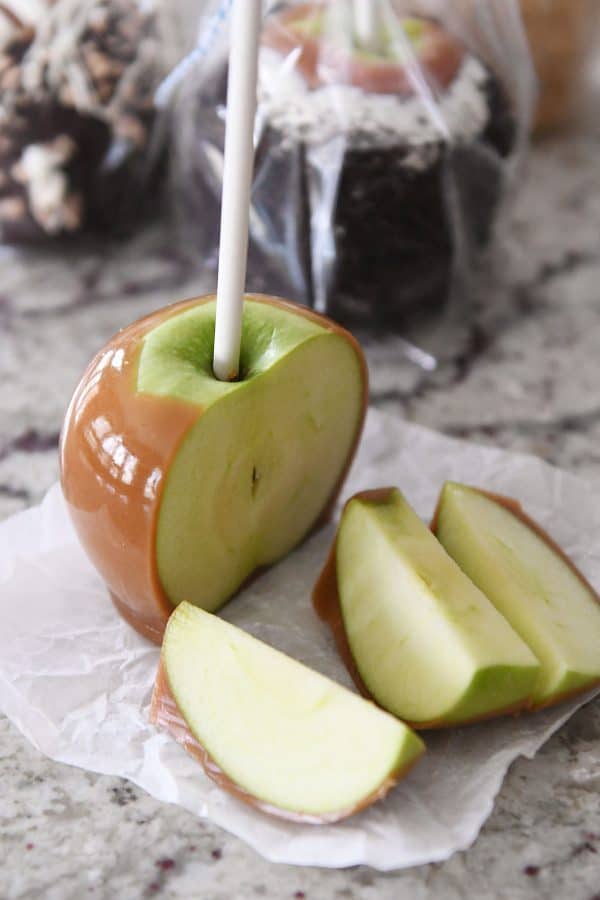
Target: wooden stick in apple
[[367, 24], [237, 182]]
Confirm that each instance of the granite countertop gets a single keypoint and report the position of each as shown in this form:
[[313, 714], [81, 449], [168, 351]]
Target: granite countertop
[[527, 380]]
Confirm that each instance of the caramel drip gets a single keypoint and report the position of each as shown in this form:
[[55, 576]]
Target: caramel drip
[[323, 62], [165, 713], [117, 447]]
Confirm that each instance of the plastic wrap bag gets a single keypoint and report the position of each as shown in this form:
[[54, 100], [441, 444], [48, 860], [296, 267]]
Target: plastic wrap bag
[[77, 83], [379, 175]]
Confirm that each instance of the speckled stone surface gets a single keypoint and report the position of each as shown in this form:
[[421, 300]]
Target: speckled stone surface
[[528, 380]]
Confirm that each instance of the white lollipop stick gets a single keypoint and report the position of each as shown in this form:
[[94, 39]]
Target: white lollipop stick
[[367, 23], [237, 181]]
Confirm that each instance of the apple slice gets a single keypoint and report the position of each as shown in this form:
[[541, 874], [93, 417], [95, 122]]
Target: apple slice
[[530, 581], [271, 731], [425, 643], [182, 486]]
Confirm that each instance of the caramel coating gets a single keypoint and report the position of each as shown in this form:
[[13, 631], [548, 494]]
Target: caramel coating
[[322, 62]]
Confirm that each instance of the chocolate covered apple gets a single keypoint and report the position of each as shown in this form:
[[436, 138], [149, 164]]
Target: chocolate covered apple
[[374, 168], [278, 735], [76, 110], [531, 583], [401, 149], [418, 636], [182, 486]]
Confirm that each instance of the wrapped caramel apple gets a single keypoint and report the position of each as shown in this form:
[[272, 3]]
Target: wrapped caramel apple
[[380, 169], [76, 107], [181, 485]]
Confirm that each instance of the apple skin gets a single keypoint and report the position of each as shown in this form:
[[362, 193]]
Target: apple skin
[[165, 712], [327, 605], [321, 62], [113, 486]]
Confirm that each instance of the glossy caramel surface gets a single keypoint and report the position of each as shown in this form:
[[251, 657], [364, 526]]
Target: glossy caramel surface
[[116, 448]]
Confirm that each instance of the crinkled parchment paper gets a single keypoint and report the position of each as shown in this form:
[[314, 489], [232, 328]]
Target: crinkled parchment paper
[[76, 680]]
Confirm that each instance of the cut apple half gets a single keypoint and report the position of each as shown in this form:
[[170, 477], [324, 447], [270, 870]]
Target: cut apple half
[[278, 735], [182, 486], [531, 583], [422, 640], [257, 469]]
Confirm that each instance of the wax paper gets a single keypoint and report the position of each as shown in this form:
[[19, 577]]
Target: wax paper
[[76, 680]]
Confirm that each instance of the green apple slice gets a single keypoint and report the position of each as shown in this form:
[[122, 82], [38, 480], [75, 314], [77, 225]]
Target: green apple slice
[[427, 643], [268, 452], [529, 581], [288, 739]]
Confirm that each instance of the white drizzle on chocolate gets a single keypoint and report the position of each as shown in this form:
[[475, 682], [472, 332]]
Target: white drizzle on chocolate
[[41, 169]]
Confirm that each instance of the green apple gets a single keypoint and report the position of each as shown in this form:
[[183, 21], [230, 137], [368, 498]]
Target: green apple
[[275, 733], [530, 582], [427, 644], [181, 486]]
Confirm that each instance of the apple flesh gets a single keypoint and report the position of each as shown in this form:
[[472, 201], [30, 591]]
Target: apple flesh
[[255, 472], [182, 486], [427, 645], [278, 735], [530, 582]]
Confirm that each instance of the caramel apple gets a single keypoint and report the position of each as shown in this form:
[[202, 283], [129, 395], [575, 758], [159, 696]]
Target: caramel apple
[[181, 486]]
